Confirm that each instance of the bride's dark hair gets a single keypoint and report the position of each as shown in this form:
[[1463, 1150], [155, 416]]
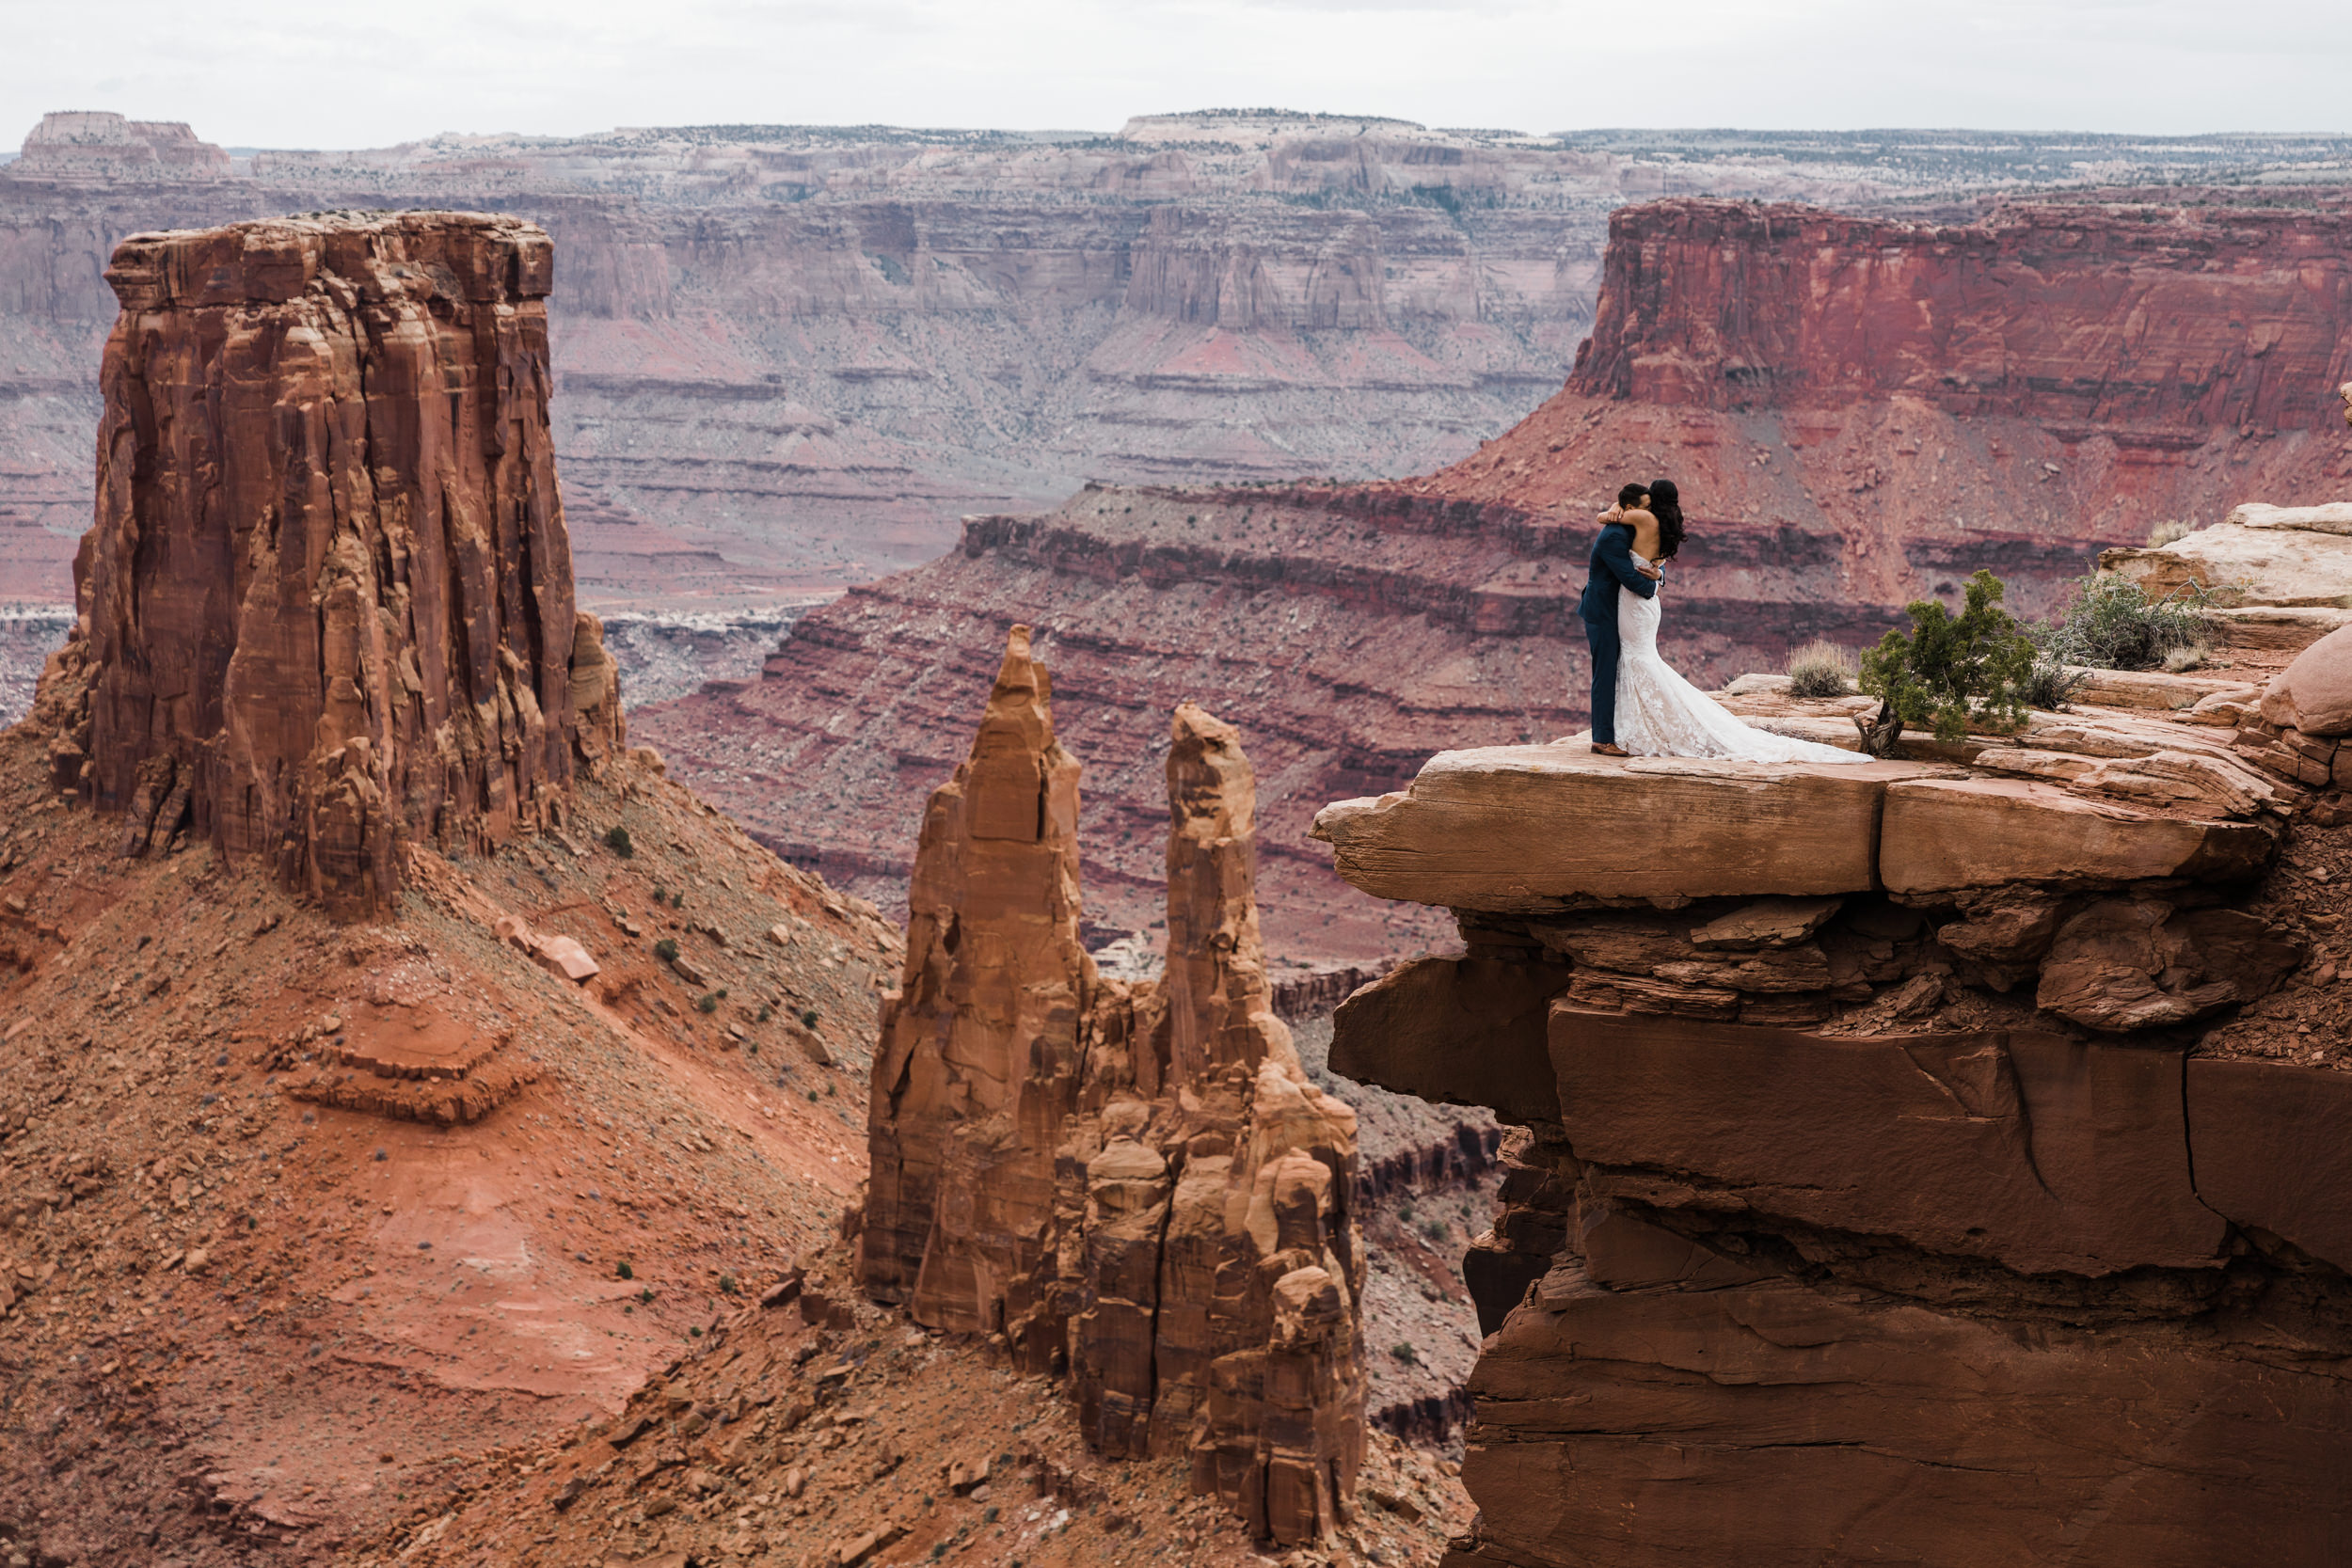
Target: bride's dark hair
[[1665, 504]]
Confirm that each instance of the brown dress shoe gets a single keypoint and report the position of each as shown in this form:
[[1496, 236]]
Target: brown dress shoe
[[1609, 749]]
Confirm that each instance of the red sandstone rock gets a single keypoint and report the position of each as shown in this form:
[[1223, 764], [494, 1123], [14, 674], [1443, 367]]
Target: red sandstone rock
[[2270, 1150], [1527, 827], [1465, 1031], [1945, 835], [1139, 1183], [1842, 1242], [1768, 1423], [326, 604], [2231, 321], [2139, 963], [980, 1054], [2314, 693], [2033, 1149]]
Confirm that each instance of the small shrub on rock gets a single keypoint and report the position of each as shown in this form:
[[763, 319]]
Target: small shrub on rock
[[617, 839], [1821, 668], [2051, 685], [1951, 674], [666, 949], [2111, 623]]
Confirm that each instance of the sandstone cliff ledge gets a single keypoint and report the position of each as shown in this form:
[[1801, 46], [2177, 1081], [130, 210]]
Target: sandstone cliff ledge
[[1135, 1185], [327, 602], [1931, 1162]]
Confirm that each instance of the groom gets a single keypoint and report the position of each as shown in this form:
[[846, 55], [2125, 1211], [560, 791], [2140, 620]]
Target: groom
[[1613, 567]]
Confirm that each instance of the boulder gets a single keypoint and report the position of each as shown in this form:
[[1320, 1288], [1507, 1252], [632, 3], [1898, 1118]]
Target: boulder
[[2314, 693], [563, 957], [2273, 1146], [2006, 931], [2138, 963], [1524, 829], [1943, 836], [2037, 1151]]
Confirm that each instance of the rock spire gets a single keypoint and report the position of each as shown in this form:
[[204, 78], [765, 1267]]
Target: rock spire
[[1135, 1185], [325, 604]]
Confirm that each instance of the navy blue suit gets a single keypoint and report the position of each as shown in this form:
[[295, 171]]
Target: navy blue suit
[[1613, 568]]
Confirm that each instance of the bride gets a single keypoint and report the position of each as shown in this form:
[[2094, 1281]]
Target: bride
[[1658, 713]]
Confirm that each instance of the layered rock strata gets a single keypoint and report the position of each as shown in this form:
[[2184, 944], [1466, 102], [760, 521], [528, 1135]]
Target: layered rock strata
[[325, 606], [1913, 1161], [1135, 1186], [1373, 626]]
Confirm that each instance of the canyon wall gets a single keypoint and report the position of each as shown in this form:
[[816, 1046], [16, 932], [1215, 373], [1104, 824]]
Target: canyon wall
[[788, 359], [1914, 1161], [1134, 1185], [1369, 627], [327, 602], [791, 358], [2164, 324]]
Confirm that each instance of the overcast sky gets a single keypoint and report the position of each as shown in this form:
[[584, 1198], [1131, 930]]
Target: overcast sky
[[269, 73]]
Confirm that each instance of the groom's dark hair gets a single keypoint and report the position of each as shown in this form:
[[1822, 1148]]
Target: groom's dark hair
[[1630, 495]]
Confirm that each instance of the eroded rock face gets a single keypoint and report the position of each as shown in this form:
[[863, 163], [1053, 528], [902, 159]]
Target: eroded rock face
[[1879, 449], [1922, 1211], [326, 601], [1134, 1185], [1731, 305]]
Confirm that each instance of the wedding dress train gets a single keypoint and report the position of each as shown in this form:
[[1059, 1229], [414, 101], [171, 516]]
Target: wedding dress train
[[1661, 715]]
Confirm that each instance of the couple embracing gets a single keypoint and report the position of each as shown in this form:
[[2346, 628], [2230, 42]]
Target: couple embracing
[[1641, 706]]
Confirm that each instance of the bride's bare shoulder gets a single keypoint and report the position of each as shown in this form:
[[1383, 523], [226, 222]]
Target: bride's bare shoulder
[[1644, 524]]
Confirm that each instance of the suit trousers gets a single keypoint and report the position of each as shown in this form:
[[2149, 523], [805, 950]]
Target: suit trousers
[[1602, 639]]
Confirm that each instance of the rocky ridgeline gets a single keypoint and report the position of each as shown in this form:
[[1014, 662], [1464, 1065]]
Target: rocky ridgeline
[[1936, 1160], [1132, 1185], [326, 604]]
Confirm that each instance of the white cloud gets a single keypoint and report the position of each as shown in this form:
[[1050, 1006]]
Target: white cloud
[[267, 72]]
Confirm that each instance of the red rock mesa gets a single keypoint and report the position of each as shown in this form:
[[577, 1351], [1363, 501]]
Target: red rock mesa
[[1132, 1185], [326, 604]]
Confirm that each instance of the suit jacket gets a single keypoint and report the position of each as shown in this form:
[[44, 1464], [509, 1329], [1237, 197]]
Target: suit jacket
[[1613, 568]]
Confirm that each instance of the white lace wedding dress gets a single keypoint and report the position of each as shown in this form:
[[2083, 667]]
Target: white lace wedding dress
[[1661, 715]]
